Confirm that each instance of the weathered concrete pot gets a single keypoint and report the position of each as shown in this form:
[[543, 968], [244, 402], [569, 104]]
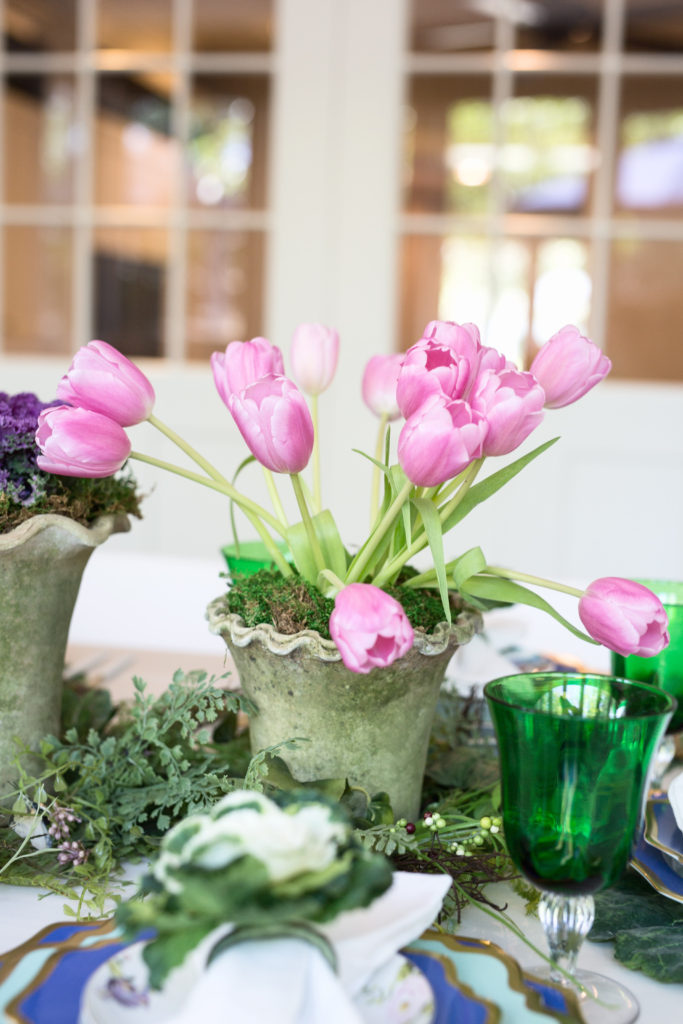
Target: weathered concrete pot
[[41, 565], [372, 729]]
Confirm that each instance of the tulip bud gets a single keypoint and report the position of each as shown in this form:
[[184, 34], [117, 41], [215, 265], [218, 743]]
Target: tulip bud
[[103, 380], [568, 366], [379, 385], [369, 627], [79, 442], [273, 418], [242, 363], [512, 403], [314, 355], [624, 616], [440, 440]]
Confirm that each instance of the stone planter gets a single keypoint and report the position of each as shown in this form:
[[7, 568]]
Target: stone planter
[[41, 564], [372, 729]]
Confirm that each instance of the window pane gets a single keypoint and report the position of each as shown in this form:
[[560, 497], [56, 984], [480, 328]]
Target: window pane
[[135, 155], [226, 153], [559, 25], [134, 25], [650, 161], [452, 25], [37, 282], [129, 275], [39, 124], [231, 25], [449, 144], [643, 330], [656, 27], [225, 289], [518, 291], [40, 25], [549, 153]]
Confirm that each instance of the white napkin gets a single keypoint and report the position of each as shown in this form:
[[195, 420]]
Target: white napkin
[[287, 981], [675, 793]]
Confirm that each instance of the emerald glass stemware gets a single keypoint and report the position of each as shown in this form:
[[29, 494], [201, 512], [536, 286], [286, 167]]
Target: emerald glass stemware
[[575, 753]]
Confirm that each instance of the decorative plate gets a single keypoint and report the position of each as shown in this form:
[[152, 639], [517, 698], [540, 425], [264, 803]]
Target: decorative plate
[[662, 831], [650, 862], [481, 969], [43, 981]]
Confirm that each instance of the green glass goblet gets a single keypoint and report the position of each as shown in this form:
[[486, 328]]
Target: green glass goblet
[[665, 669], [575, 752]]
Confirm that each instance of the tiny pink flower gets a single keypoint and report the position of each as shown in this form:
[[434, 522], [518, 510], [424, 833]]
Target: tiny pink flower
[[512, 403], [624, 616], [433, 368], [273, 418], [314, 354], [379, 384], [242, 363], [369, 627], [568, 366], [103, 380], [79, 442], [440, 440]]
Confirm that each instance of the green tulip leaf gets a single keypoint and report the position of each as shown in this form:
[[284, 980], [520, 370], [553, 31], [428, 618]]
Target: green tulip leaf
[[334, 552], [494, 588], [467, 565], [485, 488], [432, 525]]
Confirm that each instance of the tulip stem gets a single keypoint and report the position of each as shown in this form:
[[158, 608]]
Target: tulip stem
[[186, 447], [360, 562], [397, 563], [275, 497], [317, 495], [308, 523], [379, 452], [222, 486], [539, 581]]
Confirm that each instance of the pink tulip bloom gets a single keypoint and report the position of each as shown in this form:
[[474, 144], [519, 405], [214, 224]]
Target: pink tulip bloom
[[440, 440], [624, 616], [492, 359], [433, 368], [460, 337], [379, 385], [314, 354], [568, 366], [512, 403], [102, 380], [242, 363], [369, 627], [274, 420], [79, 442]]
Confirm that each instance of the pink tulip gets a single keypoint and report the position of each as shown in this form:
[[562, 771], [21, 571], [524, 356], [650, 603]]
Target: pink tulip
[[274, 420], [440, 440], [492, 359], [433, 368], [242, 363], [512, 403], [568, 366], [369, 627], [102, 380], [624, 616], [314, 355], [379, 385], [461, 337], [79, 442]]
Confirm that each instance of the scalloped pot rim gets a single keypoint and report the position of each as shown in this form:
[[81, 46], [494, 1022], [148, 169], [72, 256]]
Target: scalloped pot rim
[[93, 535], [231, 626]]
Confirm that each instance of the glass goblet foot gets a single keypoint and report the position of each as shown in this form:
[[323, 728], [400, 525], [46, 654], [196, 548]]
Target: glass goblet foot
[[566, 921]]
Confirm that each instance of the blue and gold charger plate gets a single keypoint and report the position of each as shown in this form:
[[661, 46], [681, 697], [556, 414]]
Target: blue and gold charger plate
[[474, 981]]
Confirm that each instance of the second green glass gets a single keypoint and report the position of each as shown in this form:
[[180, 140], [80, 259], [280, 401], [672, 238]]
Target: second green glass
[[575, 753]]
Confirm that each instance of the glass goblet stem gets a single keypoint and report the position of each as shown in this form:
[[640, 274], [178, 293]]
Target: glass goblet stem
[[566, 921]]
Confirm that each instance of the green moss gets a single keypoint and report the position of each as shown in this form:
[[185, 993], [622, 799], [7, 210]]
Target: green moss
[[79, 499], [292, 604]]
